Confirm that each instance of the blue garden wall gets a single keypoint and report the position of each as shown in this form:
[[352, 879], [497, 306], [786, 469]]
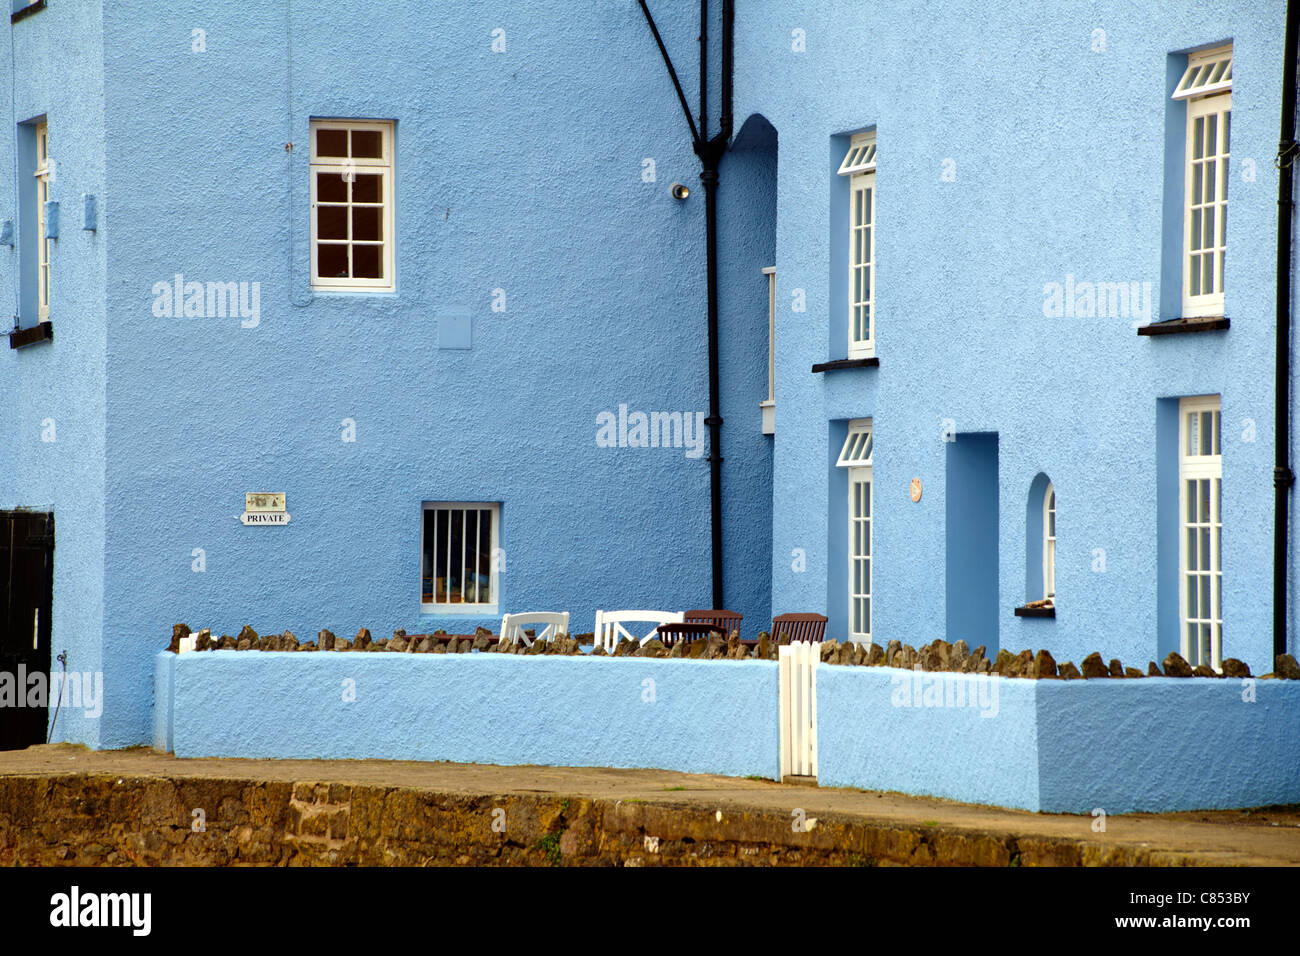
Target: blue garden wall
[[1157, 744], [693, 716]]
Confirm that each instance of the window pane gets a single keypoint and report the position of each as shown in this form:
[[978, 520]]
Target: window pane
[[1211, 135], [332, 222], [367, 188], [1192, 602], [367, 144], [332, 261], [1207, 274], [1194, 272], [1198, 170], [1195, 231], [330, 187], [1198, 138], [367, 222], [331, 142], [367, 262], [1191, 549]]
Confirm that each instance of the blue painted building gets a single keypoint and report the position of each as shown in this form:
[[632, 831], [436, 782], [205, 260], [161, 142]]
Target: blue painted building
[[421, 271]]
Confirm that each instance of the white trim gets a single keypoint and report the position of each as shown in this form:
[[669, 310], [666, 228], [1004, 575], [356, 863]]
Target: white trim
[[1205, 202], [462, 606], [1208, 72], [769, 406], [1205, 469], [862, 266], [861, 155], [42, 176], [857, 448], [861, 490], [348, 167], [1049, 543]]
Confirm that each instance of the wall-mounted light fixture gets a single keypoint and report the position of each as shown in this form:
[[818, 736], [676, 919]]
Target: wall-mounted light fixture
[[680, 191]]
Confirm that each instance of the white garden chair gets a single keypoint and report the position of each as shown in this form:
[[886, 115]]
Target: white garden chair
[[512, 626], [610, 629]]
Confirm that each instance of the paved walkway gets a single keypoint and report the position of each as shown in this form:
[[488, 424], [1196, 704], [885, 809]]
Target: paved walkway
[[1256, 837]]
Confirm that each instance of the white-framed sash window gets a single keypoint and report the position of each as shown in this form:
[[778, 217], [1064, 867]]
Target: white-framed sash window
[[860, 166], [352, 206], [42, 175], [458, 557], [1206, 86], [1049, 543], [855, 455], [1200, 479]]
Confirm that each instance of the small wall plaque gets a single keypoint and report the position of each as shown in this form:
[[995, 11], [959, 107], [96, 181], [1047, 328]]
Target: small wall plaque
[[916, 489], [264, 507]]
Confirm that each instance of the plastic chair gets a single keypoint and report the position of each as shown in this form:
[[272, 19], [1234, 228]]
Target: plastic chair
[[610, 629], [512, 626]]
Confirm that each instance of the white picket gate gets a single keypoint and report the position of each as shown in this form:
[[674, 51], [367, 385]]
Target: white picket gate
[[797, 708]]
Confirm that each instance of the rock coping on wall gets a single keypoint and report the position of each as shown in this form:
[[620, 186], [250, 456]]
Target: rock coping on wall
[[938, 655]]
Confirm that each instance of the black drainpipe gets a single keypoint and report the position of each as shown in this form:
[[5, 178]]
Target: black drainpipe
[[1283, 476], [710, 152]]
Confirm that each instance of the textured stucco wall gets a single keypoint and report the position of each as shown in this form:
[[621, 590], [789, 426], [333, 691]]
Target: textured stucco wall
[[1167, 744], [519, 170], [875, 732], [693, 716], [1059, 157], [57, 390]]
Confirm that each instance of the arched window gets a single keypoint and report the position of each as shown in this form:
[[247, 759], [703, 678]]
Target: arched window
[[1049, 543]]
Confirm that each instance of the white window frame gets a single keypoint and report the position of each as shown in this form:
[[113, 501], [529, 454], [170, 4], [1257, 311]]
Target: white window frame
[[860, 166], [435, 606], [1197, 467], [348, 167], [42, 177], [769, 406], [1209, 103], [1049, 543], [856, 456]]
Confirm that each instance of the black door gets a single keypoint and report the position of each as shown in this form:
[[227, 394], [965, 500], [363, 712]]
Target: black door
[[26, 585]]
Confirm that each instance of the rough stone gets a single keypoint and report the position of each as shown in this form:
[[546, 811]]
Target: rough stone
[[1044, 665], [875, 655], [227, 643], [1093, 666], [398, 643], [1003, 662], [830, 649], [425, 645], [246, 633], [1235, 668], [1153, 669], [326, 640], [362, 640], [178, 631], [1285, 666], [1069, 672], [288, 641], [1175, 666], [1204, 670], [959, 656], [482, 639], [203, 641], [1116, 668], [1133, 672], [764, 646]]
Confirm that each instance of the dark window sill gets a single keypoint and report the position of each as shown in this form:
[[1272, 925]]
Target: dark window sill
[[872, 362], [1026, 611], [26, 11], [44, 332], [1207, 323]]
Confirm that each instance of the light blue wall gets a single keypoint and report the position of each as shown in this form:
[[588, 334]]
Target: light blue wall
[[1061, 157], [971, 540], [1164, 744], [519, 170], [692, 716], [56, 60]]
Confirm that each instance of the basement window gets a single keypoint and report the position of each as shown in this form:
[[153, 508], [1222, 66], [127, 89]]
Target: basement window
[[459, 549]]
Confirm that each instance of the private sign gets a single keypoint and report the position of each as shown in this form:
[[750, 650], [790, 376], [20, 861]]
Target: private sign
[[262, 507]]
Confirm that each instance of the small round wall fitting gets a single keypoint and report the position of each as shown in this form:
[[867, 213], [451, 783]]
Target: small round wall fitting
[[916, 489], [680, 191]]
